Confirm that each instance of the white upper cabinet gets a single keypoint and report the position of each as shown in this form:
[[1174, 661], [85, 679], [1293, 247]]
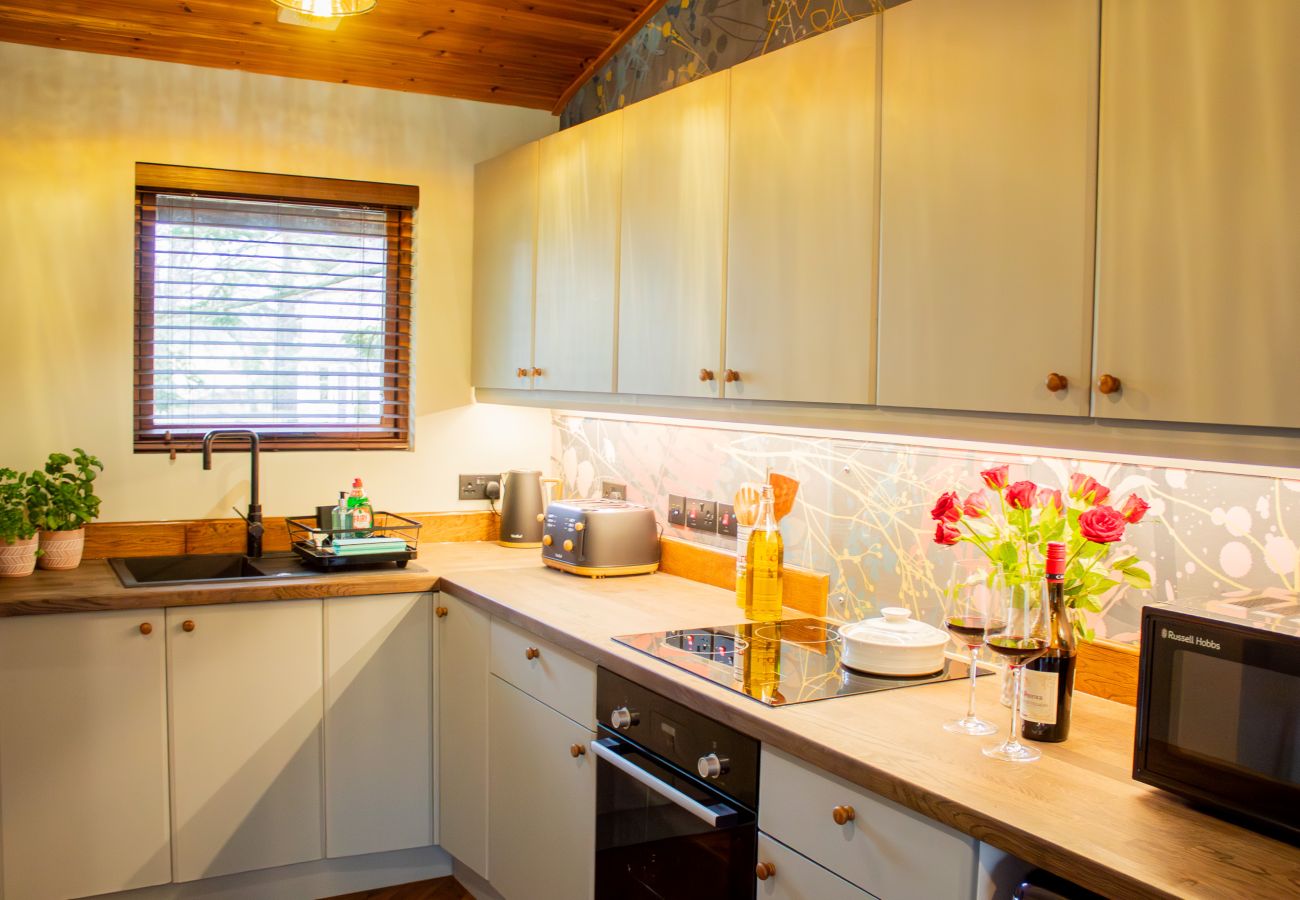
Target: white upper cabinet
[[83, 754], [246, 709], [1198, 289], [672, 262], [505, 248], [378, 723], [579, 184], [801, 256], [988, 174]]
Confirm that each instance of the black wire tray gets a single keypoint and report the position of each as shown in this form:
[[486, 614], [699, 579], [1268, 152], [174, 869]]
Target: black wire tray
[[312, 543]]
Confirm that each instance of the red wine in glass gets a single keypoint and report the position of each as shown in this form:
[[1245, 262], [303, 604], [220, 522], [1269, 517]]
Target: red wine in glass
[[971, 629], [1018, 650]]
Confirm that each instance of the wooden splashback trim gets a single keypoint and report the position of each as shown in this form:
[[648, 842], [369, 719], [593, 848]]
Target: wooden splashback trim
[[1105, 669], [105, 539]]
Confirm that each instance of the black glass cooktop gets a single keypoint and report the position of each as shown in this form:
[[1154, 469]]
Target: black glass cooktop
[[777, 663]]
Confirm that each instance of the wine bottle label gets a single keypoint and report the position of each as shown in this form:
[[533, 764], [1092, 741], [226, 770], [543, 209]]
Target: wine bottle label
[[1038, 702]]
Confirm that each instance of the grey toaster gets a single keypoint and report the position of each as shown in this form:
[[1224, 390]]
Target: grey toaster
[[600, 537]]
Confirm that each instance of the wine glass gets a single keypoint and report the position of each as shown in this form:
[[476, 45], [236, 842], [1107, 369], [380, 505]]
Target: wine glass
[[973, 598], [1020, 638]]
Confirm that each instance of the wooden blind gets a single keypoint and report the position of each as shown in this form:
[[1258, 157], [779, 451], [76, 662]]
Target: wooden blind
[[287, 315]]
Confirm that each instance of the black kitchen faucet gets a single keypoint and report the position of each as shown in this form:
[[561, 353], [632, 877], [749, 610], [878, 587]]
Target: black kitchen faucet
[[254, 517]]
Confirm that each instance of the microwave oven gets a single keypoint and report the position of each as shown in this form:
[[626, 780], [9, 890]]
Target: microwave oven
[[1218, 714]]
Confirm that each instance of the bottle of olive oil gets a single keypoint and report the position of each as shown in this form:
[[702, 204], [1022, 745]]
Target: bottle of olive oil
[[765, 563]]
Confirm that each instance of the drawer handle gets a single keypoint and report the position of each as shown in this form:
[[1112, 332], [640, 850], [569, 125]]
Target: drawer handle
[[706, 374], [521, 373], [146, 628], [730, 376], [537, 373], [764, 871], [1108, 384], [532, 653], [187, 625], [1057, 382], [576, 750], [843, 815], [440, 612]]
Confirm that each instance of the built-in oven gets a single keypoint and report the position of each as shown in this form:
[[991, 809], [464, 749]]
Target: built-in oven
[[1218, 714], [676, 799]]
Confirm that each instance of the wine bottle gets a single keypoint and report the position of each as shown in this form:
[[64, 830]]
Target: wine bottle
[[1049, 680]]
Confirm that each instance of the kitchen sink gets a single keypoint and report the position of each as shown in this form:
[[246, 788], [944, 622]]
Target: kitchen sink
[[148, 571]]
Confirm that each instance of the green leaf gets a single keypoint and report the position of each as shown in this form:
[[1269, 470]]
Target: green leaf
[[1090, 602], [1138, 578], [1120, 564]]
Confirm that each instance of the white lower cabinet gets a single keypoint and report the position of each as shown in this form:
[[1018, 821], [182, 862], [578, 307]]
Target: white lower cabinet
[[378, 723], [464, 634], [83, 754], [541, 799], [883, 848], [246, 711], [787, 875]]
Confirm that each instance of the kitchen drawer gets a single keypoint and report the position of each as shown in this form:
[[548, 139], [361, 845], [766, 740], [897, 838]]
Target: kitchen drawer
[[561, 680], [796, 877], [887, 850]]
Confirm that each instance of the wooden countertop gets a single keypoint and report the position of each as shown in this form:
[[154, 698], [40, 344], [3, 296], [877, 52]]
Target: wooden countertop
[[1076, 812]]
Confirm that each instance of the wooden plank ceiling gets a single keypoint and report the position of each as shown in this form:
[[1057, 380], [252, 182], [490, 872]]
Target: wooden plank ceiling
[[518, 52]]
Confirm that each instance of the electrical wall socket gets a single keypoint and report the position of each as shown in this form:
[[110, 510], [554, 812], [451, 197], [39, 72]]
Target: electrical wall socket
[[613, 490], [676, 510], [702, 515], [474, 487], [726, 519]]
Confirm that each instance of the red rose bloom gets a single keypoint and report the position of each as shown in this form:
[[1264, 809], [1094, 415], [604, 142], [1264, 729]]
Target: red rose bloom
[[1021, 494], [1102, 525], [946, 534], [976, 505], [948, 508], [1049, 497], [1099, 493], [995, 478], [1086, 488], [1134, 509]]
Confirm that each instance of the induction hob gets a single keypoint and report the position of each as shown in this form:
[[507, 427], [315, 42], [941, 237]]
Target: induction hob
[[776, 663]]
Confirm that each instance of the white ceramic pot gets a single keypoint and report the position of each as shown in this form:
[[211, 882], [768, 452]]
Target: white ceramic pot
[[17, 558], [62, 549], [894, 644]]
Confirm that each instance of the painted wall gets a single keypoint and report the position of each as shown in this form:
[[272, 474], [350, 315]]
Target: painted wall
[[688, 39], [74, 126], [1215, 536]]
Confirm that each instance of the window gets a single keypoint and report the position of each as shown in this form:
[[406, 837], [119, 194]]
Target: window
[[276, 303]]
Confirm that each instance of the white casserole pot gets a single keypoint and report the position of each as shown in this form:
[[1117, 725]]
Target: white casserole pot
[[893, 645]]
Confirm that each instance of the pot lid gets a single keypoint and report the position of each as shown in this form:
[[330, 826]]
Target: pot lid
[[895, 628]]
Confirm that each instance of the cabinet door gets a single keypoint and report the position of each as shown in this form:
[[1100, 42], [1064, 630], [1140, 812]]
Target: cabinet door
[[672, 255], [83, 754], [988, 173], [378, 723], [792, 876], [1199, 237], [577, 255], [505, 233], [801, 257], [541, 800], [464, 635], [245, 706]]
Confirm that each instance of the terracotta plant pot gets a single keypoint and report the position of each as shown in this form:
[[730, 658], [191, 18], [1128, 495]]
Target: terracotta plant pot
[[62, 549], [17, 558]]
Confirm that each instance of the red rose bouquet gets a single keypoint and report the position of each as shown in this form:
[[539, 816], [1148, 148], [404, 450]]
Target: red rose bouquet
[[1013, 527]]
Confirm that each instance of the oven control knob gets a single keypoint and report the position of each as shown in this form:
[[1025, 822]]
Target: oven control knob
[[623, 718], [713, 766]]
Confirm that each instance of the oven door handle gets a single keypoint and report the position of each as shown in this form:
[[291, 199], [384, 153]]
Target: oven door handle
[[717, 815]]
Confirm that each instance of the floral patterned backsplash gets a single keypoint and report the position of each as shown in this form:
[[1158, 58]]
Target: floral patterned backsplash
[[863, 512]]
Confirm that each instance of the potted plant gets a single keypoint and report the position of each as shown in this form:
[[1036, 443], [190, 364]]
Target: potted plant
[[17, 532], [62, 501]]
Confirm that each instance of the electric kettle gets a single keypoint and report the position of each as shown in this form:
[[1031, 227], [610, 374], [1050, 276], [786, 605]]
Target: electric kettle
[[523, 506]]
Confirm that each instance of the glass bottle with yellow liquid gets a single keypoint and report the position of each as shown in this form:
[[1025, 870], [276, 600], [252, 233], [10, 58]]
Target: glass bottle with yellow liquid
[[765, 563]]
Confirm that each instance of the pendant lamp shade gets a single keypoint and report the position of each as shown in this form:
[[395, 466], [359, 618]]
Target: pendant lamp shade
[[328, 9]]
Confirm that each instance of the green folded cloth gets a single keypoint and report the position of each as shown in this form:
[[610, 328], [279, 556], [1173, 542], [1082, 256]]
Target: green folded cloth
[[360, 546]]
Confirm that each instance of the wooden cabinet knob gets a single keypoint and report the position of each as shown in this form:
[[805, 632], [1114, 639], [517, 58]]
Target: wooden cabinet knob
[[731, 375], [764, 870], [1057, 382], [440, 612], [577, 750], [843, 815], [532, 653], [187, 625], [537, 373], [146, 628], [1108, 384], [521, 373], [706, 374]]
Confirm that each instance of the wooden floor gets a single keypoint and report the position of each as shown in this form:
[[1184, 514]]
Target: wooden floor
[[434, 889]]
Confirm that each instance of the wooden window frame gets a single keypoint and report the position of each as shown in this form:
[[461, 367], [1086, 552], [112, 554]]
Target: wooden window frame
[[399, 203]]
